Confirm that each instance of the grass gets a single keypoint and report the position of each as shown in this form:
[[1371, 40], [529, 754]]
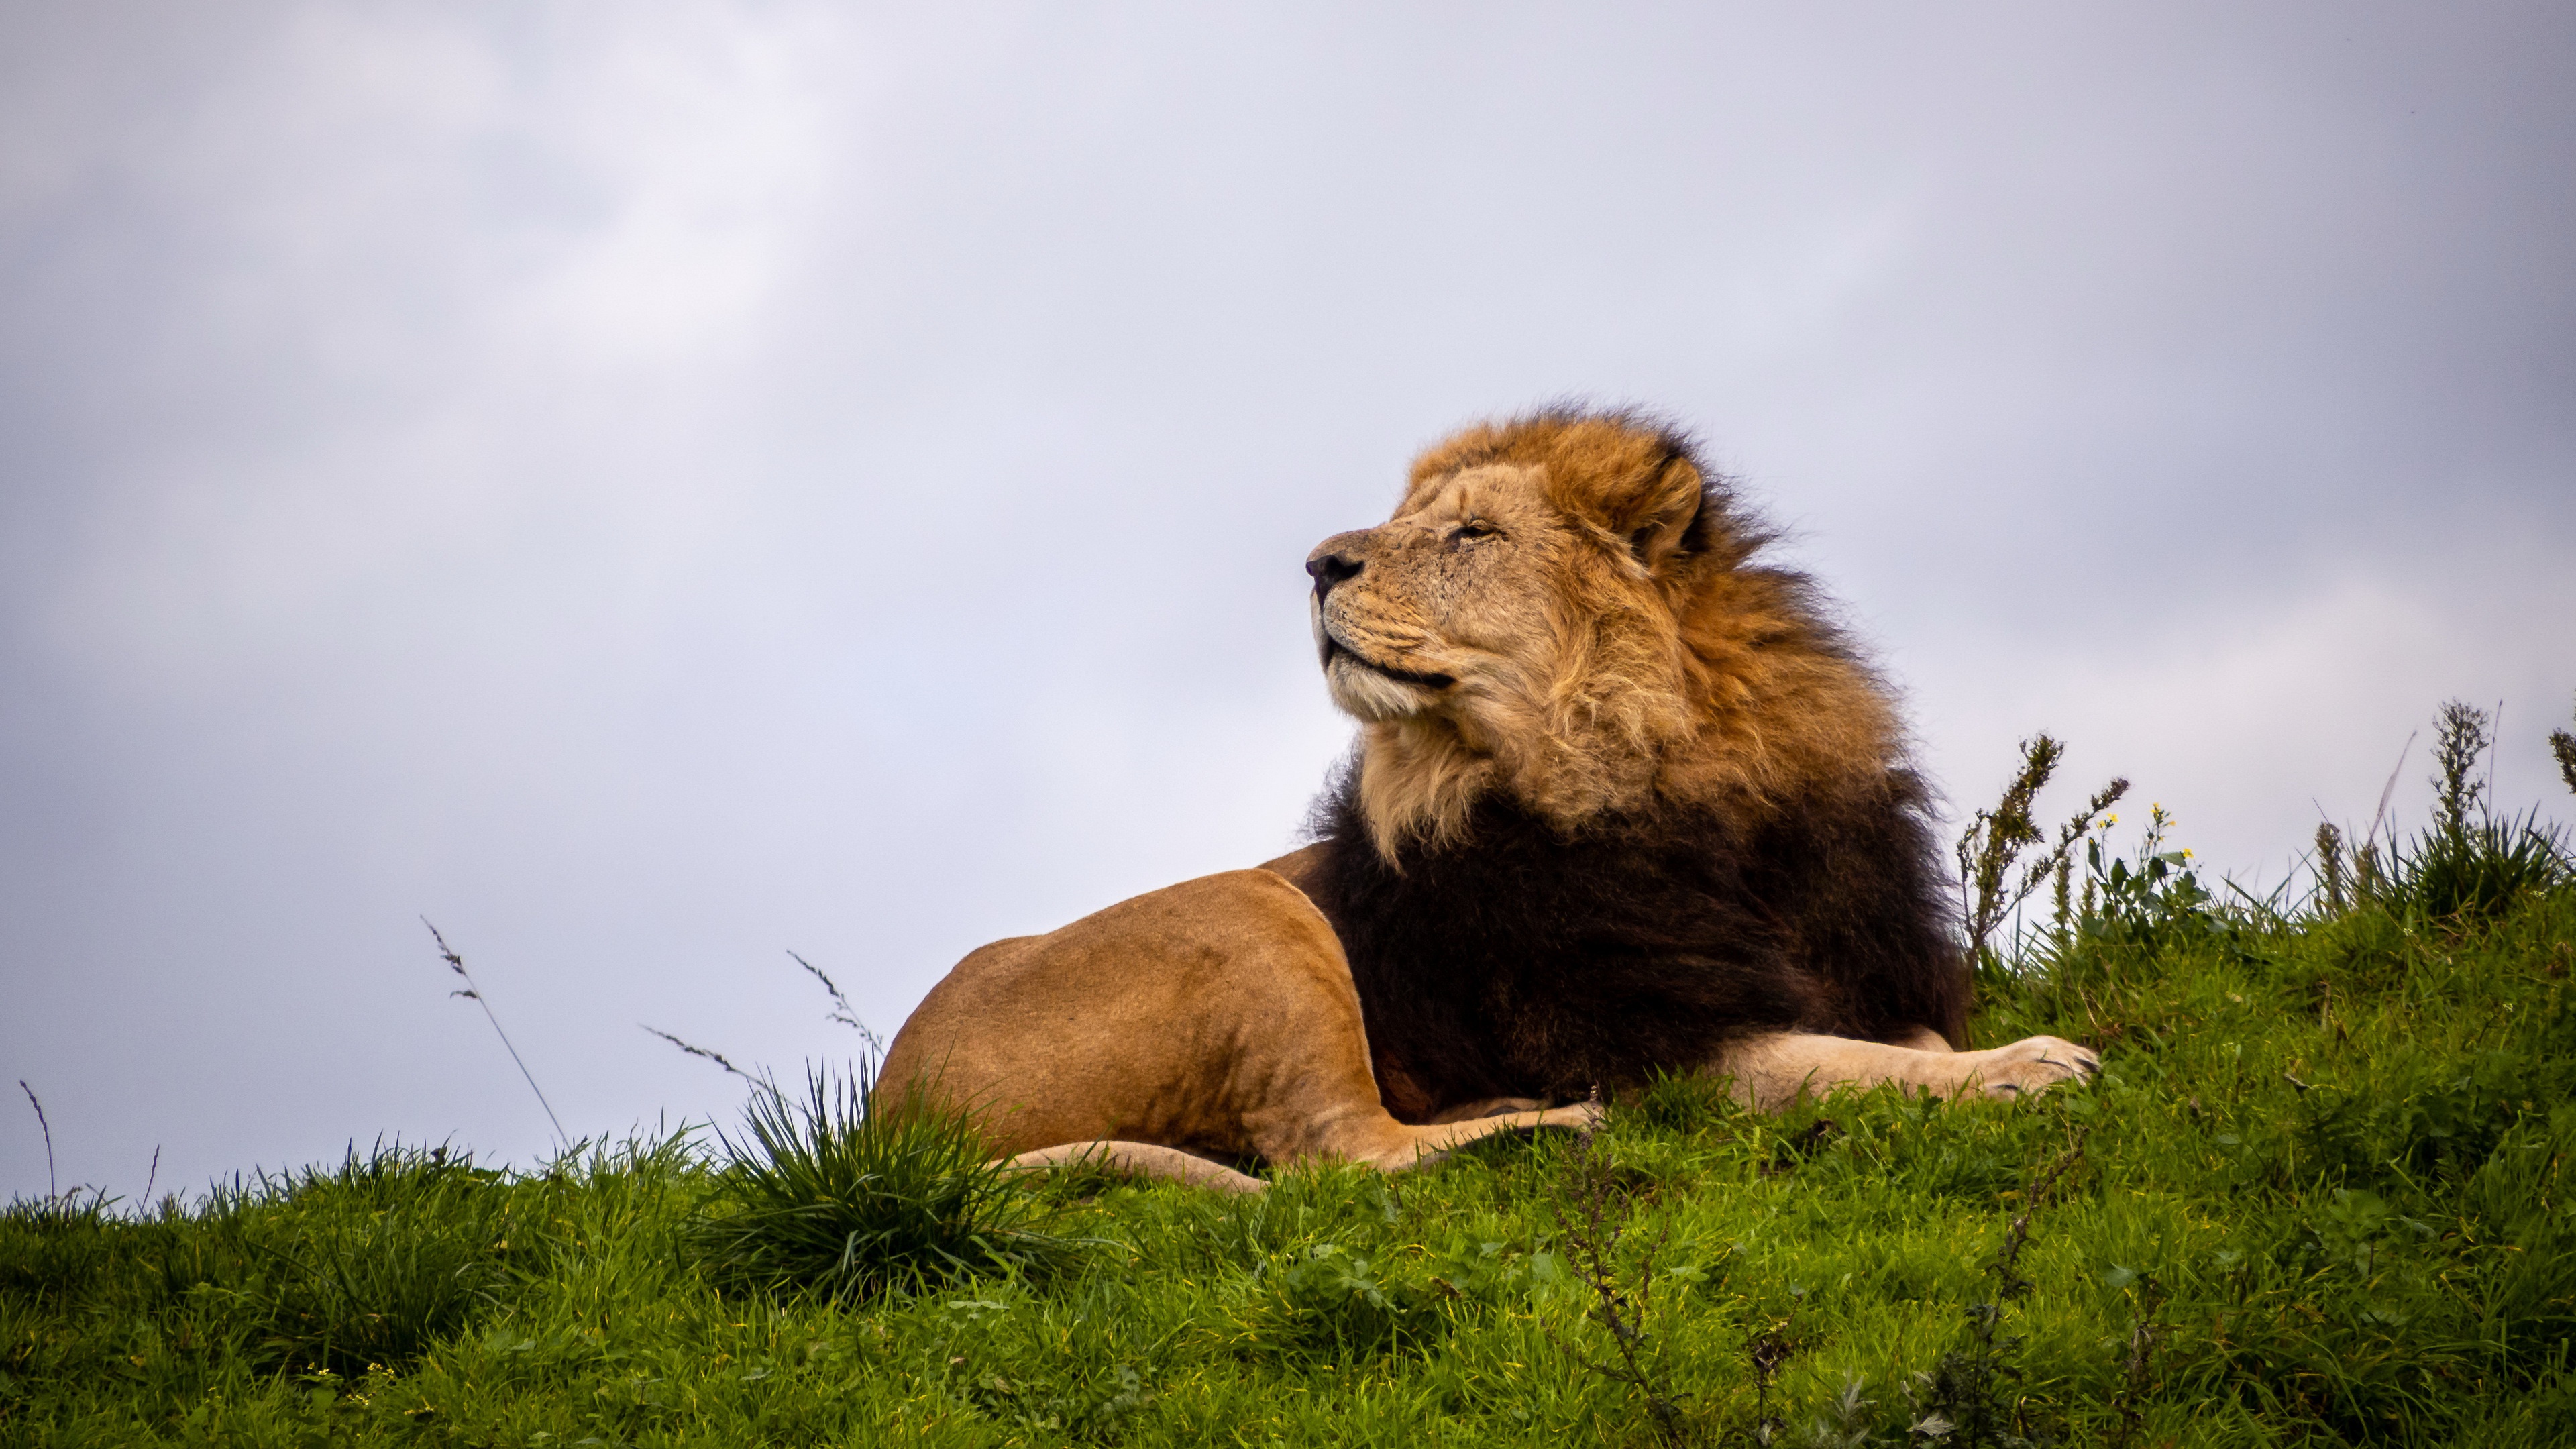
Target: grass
[[824, 1197], [2319, 1195]]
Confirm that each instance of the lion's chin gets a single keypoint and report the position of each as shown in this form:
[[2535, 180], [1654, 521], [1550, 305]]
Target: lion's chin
[[1368, 695]]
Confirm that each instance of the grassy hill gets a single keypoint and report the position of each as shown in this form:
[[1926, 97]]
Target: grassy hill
[[2320, 1194]]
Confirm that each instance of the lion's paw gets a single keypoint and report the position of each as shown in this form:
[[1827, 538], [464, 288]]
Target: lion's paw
[[2031, 1065], [1579, 1117]]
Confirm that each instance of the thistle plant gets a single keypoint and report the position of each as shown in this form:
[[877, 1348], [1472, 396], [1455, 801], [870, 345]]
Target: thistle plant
[[2461, 735]]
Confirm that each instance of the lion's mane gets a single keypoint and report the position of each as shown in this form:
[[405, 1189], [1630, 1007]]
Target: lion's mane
[[1761, 860]]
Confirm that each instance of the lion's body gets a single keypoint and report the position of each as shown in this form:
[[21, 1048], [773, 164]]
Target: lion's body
[[1623, 802]]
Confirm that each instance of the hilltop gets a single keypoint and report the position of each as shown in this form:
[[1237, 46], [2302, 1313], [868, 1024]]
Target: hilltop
[[2317, 1195]]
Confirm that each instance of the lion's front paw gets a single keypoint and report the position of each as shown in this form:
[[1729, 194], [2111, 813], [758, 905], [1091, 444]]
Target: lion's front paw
[[1582, 1116], [2033, 1064]]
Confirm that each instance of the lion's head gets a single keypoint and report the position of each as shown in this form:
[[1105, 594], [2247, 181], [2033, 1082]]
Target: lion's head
[[1563, 608]]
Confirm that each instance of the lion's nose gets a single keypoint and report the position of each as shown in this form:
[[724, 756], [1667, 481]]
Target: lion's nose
[[1330, 569]]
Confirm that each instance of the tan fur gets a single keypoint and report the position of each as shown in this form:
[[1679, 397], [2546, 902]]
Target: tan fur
[[1215, 1017], [1566, 648]]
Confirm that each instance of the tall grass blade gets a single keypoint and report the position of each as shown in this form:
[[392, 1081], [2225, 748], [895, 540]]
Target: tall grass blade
[[475, 994]]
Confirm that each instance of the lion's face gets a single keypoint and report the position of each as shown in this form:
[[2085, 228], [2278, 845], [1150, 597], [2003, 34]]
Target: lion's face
[[1434, 606], [1519, 623], [1464, 605], [1562, 610]]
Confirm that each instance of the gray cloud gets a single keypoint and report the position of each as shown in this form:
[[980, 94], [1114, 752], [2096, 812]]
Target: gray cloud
[[652, 490]]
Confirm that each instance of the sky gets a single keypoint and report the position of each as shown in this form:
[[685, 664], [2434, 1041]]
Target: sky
[[653, 488]]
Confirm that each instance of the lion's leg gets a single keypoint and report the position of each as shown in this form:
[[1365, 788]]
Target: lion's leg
[[1370, 1135], [1311, 1092], [1925, 1039], [1773, 1070], [1388, 1145], [1141, 1159], [1489, 1107]]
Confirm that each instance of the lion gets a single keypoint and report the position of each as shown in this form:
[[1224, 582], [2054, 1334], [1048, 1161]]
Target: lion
[[1624, 801]]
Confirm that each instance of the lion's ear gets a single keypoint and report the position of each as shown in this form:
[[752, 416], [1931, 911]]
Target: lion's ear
[[1654, 513]]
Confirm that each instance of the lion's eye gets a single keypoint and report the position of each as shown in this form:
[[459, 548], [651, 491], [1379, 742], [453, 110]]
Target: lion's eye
[[1473, 528]]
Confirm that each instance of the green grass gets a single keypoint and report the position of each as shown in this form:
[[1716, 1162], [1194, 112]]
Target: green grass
[[825, 1198], [2319, 1195]]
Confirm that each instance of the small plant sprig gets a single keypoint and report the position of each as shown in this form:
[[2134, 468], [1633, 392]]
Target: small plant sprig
[[705, 1053], [841, 1013], [1846, 1422], [1592, 1230], [1989, 890], [2150, 903]]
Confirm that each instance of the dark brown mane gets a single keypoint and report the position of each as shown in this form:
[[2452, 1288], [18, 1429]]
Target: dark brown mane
[[1522, 962]]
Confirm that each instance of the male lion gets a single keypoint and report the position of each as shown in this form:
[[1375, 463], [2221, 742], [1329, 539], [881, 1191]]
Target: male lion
[[1623, 801]]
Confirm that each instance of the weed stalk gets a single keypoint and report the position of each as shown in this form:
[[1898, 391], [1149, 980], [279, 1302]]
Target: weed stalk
[[1993, 843], [1964, 1392]]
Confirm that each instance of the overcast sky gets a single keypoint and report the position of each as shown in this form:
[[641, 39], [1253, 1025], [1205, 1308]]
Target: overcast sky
[[653, 487]]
